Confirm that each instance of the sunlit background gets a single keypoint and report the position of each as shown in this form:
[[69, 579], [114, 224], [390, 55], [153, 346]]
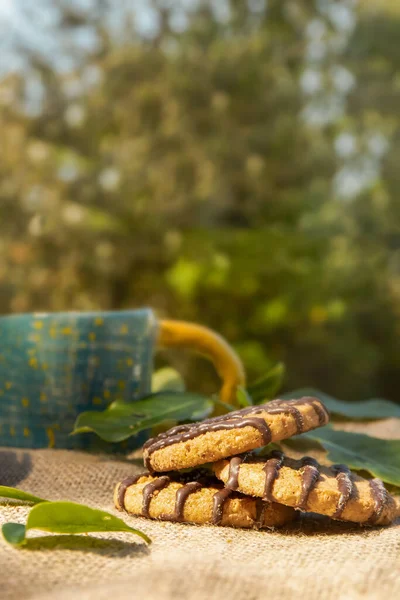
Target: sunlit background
[[231, 162]]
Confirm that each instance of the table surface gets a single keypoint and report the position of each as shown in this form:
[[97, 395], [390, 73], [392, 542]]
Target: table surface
[[313, 558]]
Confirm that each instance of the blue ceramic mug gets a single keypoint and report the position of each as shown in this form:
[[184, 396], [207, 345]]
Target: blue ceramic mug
[[54, 366]]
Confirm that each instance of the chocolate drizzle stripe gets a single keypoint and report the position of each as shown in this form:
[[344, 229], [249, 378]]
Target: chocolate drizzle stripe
[[123, 486], [298, 417], [380, 498], [233, 477], [147, 463], [219, 500], [182, 495], [310, 476], [271, 470], [322, 414], [346, 488], [291, 410], [148, 491]]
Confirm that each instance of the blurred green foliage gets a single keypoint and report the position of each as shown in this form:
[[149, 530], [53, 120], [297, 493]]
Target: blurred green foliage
[[200, 171]]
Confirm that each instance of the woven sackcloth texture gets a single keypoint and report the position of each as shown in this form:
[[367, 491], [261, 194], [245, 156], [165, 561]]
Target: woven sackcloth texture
[[312, 559]]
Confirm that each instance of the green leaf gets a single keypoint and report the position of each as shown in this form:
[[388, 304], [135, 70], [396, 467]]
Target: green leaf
[[66, 517], [14, 533], [9, 492], [375, 408], [360, 452], [265, 388], [243, 397], [122, 420], [167, 379]]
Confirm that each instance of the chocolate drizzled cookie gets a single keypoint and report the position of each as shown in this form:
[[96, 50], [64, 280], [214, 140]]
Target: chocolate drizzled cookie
[[236, 432], [304, 484], [196, 499]]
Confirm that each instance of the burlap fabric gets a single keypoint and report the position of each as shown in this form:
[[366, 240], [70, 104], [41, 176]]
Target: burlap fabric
[[313, 559]]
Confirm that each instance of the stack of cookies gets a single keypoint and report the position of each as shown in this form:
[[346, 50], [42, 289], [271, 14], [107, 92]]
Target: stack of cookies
[[205, 473]]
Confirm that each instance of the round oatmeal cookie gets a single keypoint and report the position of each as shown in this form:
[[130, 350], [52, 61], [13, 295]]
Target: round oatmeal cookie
[[306, 485], [194, 444], [200, 500]]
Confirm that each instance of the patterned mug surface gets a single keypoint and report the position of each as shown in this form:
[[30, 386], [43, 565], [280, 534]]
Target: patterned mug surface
[[55, 365]]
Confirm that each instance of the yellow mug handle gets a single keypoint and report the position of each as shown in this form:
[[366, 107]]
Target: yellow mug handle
[[211, 345]]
